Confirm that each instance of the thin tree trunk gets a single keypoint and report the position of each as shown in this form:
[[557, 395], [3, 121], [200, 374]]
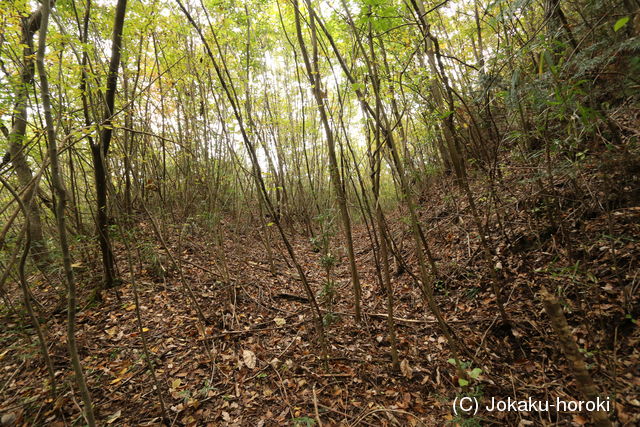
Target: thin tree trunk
[[420, 241], [572, 353], [60, 204], [100, 152], [17, 139], [25, 286], [313, 73], [446, 105], [257, 175], [141, 331], [384, 255]]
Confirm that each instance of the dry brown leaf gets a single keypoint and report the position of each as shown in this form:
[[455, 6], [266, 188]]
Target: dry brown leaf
[[249, 359], [406, 369]]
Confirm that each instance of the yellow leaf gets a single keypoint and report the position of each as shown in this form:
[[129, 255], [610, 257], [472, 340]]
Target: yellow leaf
[[145, 329], [114, 417]]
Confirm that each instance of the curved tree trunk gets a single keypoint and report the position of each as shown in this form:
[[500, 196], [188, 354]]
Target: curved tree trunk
[[17, 137]]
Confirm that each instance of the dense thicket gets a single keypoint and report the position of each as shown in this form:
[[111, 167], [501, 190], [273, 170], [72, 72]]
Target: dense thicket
[[382, 138]]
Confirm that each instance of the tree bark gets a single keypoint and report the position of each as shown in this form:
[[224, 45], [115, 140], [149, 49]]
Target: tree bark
[[572, 353], [17, 139], [60, 204], [313, 72], [229, 91], [100, 151]]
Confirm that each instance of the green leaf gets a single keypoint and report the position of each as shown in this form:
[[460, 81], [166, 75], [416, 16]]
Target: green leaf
[[303, 421], [475, 373], [463, 382], [549, 60], [620, 23], [452, 361]]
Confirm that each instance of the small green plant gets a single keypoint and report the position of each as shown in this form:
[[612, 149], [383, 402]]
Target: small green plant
[[587, 353], [329, 318], [316, 243], [631, 318], [207, 220], [328, 261], [472, 293], [303, 422], [476, 393], [320, 242], [185, 394], [204, 391], [462, 421], [328, 292], [463, 365], [152, 260], [440, 286], [471, 373], [113, 355]]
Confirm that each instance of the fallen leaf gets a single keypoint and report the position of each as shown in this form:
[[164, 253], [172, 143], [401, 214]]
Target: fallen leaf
[[114, 417], [8, 419], [249, 358], [406, 369]]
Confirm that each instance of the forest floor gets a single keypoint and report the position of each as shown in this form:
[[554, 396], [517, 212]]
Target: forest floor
[[257, 361]]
